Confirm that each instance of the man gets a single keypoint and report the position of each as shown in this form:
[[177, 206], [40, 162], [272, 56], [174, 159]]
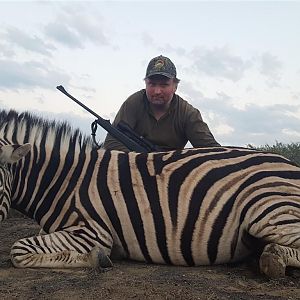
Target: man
[[160, 115]]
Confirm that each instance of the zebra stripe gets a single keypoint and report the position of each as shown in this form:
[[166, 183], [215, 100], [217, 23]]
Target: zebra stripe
[[189, 207]]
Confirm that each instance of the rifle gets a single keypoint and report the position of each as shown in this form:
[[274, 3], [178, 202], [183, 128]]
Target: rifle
[[122, 132]]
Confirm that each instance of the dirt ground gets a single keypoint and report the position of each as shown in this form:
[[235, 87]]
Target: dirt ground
[[130, 280]]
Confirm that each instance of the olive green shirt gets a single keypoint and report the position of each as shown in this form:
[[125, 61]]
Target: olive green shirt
[[181, 123]]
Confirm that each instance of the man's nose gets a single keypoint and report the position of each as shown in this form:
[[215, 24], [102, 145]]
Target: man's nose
[[157, 90]]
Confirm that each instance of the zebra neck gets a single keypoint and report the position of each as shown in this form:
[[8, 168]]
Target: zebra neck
[[40, 184]]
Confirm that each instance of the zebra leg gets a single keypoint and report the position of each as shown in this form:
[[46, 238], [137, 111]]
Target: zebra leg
[[275, 258], [57, 250]]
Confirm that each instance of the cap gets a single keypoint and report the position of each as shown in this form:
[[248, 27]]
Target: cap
[[161, 65]]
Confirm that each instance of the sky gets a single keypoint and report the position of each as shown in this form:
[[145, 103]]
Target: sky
[[238, 61]]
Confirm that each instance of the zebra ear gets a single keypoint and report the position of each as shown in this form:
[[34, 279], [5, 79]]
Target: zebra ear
[[20, 152], [13, 153]]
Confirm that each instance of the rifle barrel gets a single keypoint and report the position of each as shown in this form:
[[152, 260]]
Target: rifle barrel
[[116, 133], [62, 89]]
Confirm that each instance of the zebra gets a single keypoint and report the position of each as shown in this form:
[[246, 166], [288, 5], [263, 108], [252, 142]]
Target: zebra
[[189, 207]]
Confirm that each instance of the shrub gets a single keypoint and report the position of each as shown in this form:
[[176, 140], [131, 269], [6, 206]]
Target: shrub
[[290, 151]]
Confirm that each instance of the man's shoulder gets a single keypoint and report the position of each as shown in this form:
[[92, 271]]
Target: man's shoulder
[[182, 103], [136, 97]]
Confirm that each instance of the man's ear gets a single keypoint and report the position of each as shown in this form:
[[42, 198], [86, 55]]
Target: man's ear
[[175, 87], [13, 153]]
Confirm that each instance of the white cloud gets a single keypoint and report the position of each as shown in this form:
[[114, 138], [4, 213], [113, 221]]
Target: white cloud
[[219, 62], [147, 39], [233, 126], [167, 48], [270, 67], [292, 133], [73, 28], [5, 50], [244, 81], [223, 129], [17, 38], [31, 74], [63, 34]]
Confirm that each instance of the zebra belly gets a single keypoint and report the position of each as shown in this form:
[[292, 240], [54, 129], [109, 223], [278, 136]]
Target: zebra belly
[[176, 249]]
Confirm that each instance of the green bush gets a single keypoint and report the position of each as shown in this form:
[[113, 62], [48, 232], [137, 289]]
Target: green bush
[[290, 151]]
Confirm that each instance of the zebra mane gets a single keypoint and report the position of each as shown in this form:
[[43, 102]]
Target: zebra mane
[[26, 127]]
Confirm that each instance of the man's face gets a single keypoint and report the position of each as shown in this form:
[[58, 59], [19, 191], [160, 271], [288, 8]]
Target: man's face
[[160, 90]]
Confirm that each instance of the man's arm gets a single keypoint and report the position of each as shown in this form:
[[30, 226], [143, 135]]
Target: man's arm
[[110, 143], [197, 131]]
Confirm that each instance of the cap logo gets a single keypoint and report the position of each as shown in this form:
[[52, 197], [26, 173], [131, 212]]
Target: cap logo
[[159, 64]]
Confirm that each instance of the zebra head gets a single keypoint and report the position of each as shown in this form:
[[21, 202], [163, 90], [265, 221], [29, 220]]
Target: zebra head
[[9, 154]]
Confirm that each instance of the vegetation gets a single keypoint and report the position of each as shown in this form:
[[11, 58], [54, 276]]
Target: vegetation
[[290, 151]]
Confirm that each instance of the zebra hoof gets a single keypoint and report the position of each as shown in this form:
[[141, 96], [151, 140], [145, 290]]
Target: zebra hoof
[[271, 264], [99, 259]]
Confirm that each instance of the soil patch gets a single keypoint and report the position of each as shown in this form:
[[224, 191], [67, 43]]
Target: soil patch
[[130, 280]]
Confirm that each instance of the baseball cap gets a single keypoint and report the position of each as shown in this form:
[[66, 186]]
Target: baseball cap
[[161, 65]]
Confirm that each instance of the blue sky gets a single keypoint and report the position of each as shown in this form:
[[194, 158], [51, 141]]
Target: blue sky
[[238, 62]]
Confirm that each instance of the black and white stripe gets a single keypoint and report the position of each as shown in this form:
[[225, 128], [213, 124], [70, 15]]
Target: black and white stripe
[[189, 207]]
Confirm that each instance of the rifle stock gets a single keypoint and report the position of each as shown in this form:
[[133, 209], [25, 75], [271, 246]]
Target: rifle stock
[[136, 144]]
